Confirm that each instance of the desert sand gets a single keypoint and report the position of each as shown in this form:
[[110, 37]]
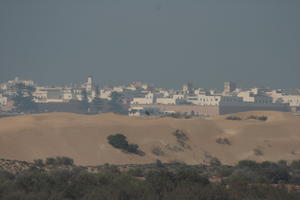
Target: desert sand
[[84, 138]]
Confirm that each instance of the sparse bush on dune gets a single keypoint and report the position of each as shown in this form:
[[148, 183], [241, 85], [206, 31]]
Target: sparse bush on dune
[[258, 152], [157, 151], [261, 118], [233, 118], [223, 141], [182, 139]]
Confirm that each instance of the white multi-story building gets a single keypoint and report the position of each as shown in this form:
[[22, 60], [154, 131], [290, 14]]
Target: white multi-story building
[[40, 95], [242, 100], [292, 100], [255, 96], [67, 94], [166, 101], [148, 99]]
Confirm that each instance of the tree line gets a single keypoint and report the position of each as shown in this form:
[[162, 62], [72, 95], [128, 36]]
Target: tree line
[[158, 181]]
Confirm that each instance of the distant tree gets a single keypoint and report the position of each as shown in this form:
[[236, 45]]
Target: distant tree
[[98, 103], [116, 104], [158, 163], [23, 100], [84, 103], [97, 91]]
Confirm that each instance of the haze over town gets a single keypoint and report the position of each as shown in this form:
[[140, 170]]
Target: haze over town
[[167, 43]]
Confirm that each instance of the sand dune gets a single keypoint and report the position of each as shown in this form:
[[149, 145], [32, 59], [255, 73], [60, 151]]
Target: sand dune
[[83, 137]]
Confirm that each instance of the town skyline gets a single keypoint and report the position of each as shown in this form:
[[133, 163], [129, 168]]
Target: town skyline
[[242, 84], [138, 98]]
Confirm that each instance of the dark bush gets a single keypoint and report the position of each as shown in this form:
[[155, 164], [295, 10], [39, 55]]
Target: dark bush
[[261, 118], [233, 118], [120, 141], [133, 148]]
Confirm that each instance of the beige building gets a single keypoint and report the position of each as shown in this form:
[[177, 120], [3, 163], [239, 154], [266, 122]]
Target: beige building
[[148, 99]]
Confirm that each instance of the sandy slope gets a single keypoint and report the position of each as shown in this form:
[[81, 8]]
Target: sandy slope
[[83, 138]]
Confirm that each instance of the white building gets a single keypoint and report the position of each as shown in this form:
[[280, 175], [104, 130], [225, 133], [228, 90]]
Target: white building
[[148, 99], [204, 100], [40, 95], [67, 94], [255, 96], [166, 101], [292, 100], [3, 100], [105, 94]]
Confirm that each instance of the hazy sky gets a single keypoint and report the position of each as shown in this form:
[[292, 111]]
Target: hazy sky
[[165, 42]]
